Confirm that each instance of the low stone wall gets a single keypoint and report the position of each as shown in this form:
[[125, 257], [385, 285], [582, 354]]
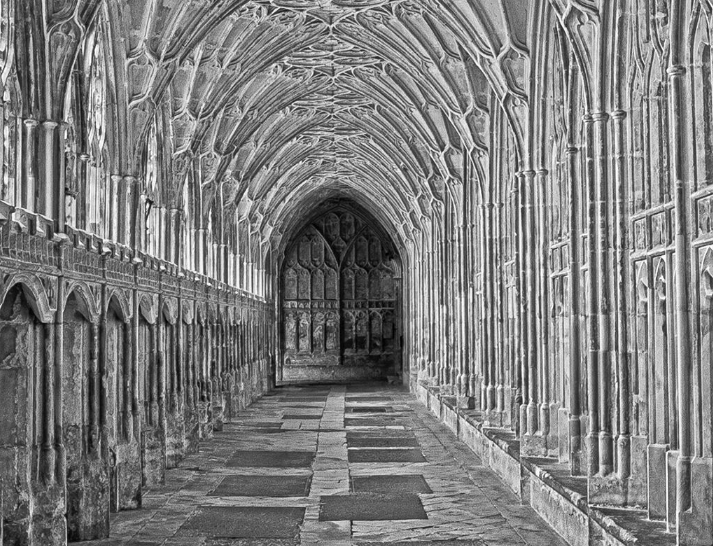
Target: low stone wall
[[561, 506]]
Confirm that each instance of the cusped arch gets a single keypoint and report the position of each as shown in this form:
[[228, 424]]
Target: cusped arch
[[187, 312], [87, 303], [169, 310], [117, 300], [148, 308], [34, 291]]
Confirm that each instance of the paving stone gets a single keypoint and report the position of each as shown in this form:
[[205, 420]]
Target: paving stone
[[300, 417], [386, 456], [247, 522], [430, 543], [256, 424], [272, 459], [469, 505], [263, 486], [381, 441], [370, 422], [369, 409], [370, 507], [390, 484]]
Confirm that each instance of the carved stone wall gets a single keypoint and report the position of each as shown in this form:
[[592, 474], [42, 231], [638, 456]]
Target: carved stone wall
[[340, 301]]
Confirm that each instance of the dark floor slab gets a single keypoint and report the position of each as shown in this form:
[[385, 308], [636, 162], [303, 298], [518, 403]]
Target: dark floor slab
[[381, 433], [386, 456], [372, 422], [288, 399], [390, 484], [263, 486], [370, 507], [256, 424], [429, 543], [301, 417], [381, 441], [247, 522], [368, 398], [271, 459], [253, 542], [263, 430], [367, 409]]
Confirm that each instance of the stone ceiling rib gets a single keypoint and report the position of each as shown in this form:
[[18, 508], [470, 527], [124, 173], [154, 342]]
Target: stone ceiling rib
[[391, 92]]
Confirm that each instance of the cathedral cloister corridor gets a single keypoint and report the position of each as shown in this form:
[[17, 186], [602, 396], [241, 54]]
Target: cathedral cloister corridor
[[356, 271]]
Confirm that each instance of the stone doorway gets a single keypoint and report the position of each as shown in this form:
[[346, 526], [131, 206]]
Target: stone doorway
[[340, 301]]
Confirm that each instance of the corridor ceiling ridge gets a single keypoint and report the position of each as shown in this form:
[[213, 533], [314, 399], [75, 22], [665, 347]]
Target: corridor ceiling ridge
[[387, 99]]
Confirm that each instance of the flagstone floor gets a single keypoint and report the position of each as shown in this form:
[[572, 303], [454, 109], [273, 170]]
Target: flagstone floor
[[332, 465]]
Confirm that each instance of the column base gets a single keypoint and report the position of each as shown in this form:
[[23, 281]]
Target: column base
[[608, 490], [533, 445], [696, 525], [657, 481], [465, 402]]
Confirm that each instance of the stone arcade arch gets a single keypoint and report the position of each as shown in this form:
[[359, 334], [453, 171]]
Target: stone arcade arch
[[340, 300]]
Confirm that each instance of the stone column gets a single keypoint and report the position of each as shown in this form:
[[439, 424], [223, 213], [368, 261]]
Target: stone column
[[115, 203], [575, 355], [129, 212], [160, 388], [128, 374], [94, 422], [154, 364], [592, 304], [48, 465], [543, 303], [623, 440], [61, 457], [533, 444], [135, 408], [51, 203], [28, 199], [519, 371], [694, 525], [602, 271]]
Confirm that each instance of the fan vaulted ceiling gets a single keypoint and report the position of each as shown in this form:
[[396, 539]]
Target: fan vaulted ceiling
[[285, 103]]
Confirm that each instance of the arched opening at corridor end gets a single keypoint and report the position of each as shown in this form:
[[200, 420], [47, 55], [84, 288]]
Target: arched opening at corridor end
[[340, 299]]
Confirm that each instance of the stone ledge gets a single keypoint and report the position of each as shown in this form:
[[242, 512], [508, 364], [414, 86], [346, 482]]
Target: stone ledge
[[544, 484]]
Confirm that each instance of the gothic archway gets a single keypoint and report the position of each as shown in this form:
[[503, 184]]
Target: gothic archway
[[340, 300]]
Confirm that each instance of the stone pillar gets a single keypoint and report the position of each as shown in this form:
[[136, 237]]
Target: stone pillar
[[623, 439], [48, 465], [128, 365], [135, 370], [129, 212], [602, 271], [694, 516], [61, 457], [51, 203], [542, 255], [523, 319], [576, 295], [115, 203], [533, 444], [592, 305], [28, 200], [94, 388]]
